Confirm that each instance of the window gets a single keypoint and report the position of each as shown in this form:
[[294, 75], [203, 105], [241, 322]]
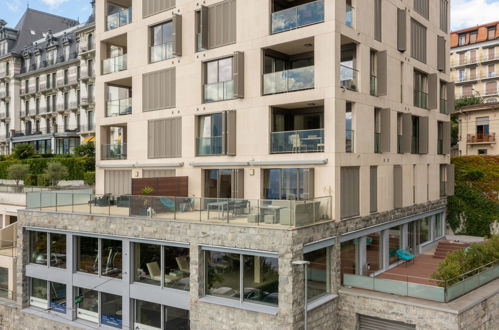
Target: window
[[348, 71], [349, 13], [473, 37], [373, 189], [111, 310], [418, 41], [394, 244], [415, 135], [319, 278], [420, 90], [172, 272], [161, 42], [224, 183], [58, 250], [424, 230], [58, 297], [111, 258], [288, 183], [147, 315], [4, 283], [349, 132], [482, 151], [374, 253], [219, 84], [87, 255], [482, 127], [260, 277], [377, 130], [38, 247], [440, 138], [439, 226], [38, 296], [216, 134], [491, 33], [462, 39], [87, 307], [66, 53]]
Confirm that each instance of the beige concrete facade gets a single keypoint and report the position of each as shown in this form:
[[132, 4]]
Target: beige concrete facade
[[478, 128], [253, 111]]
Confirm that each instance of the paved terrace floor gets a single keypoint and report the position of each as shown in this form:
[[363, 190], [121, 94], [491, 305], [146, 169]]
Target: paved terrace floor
[[417, 271]]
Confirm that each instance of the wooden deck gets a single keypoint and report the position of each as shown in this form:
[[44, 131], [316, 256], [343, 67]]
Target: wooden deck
[[417, 271]]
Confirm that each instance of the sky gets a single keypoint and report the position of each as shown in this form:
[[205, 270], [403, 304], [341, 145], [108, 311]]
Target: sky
[[465, 13]]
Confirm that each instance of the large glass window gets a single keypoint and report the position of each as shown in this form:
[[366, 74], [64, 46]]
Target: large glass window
[[176, 319], [161, 42], [38, 247], [210, 134], [111, 258], [87, 307], [260, 277], [38, 296], [439, 230], [58, 297], [349, 258], [374, 255], [219, 84], [88, 251], [147, 263], [111, 310], [58, 250], [177, 270], [394, 244], [261, 280], [4, 282], [147, 315], [424, 230], [318, 276], [286, 183]]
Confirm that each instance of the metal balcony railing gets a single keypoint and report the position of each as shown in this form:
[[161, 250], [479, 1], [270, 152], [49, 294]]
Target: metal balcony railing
[[481, 138]]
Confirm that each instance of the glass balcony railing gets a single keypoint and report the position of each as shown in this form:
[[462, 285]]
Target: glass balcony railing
[[377, 142], [161, 52], [119, 107], [208, 146], [443, 106], [288, 81], [219, 91], [299, 16], [298, 141], [120, 18], [349, 15], [348, 78], [114, 151], [245, 212], [114, 64], [373, 85], [349, 136], [420, 99]]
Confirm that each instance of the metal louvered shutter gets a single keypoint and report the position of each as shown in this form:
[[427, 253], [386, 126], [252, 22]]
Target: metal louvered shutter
[[374, 323], [118, 182]]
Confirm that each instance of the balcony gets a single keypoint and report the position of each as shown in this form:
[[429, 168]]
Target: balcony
[[162, 52], [348, 78], [219, 91], [297, 141], [114, 64], [297, 16], [241, 212], [288, 80], [119, 107], [114, 151], [209, 146], [481, 138], [73, 105], [421, 99], [119, 18], [87, 73]]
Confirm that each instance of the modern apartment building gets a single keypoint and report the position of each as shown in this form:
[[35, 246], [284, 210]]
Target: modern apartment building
[[237, 138], [478, 125], [46, 83], [475, 61]]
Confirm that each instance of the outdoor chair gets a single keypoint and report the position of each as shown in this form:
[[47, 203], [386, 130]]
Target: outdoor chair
[[405, 255]]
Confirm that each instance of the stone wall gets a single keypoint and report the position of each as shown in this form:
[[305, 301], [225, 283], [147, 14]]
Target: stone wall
[[483, 316]]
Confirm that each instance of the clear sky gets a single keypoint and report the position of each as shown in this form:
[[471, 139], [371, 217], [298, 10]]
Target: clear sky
[[465, 13]]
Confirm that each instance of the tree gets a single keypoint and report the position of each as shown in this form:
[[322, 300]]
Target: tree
[[17, 172], [85, 150], [56, 172], [23, 151]]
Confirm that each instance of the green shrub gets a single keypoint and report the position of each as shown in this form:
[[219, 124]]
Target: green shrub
[[23, 151], [89, 178], [17, 172], [42, 180], [460, 264], [85, 150], [56, 172], [31, 180], [147, 191]]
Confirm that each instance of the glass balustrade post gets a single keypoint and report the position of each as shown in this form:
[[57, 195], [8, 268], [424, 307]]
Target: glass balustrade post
[[56, 202], [175, 208], [72, 203]]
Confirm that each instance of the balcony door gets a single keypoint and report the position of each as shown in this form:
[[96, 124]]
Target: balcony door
[[288, 183], [482, 127], [224, 183]]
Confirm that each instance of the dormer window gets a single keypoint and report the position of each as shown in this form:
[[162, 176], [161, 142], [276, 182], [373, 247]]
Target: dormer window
[[66, 53], [51, 55], [27, 63], [37, 61]]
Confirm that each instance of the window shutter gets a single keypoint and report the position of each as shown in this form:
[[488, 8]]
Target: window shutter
[[204, 27], [308, 183], [177, 35], [377, 20], [382, 72], [385, 130], [222, 24], [423, 135], [418, 41], [231, 135], [118, 182], [442, 54], [238, 183], [152, 7], [238, 74], [446, 138], [349, 187], [402, 30], [432, 91], [406, 133], [373, 187], [397, 187], [422, 7], [449, 189], [159, 90], [165, 138]]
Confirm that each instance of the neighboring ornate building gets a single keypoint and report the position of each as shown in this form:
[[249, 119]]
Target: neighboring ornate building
[[46, 83], [474, 61], [478, 125]]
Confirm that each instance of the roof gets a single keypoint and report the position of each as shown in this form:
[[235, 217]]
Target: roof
[[486, 25], [34, 23], [481, 36], [480, 107]]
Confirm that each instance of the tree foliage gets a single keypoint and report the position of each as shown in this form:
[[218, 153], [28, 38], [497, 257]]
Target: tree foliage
[[17, 172], [467, 100], [23, 151], [85, 150], [56, 172]]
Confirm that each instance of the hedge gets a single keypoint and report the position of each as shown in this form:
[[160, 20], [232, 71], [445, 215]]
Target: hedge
[[77, 166]]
